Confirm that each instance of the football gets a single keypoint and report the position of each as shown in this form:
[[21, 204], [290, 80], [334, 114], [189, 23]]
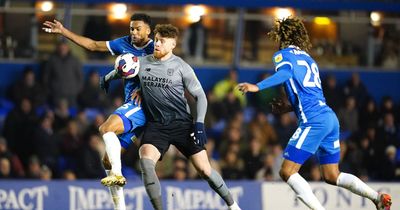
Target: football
[[127, 65]]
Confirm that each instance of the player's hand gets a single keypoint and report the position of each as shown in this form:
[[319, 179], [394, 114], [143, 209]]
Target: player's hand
[[199, 135], [104, 85], [137, 97], [278, 106], [53, 27], [247, 87]]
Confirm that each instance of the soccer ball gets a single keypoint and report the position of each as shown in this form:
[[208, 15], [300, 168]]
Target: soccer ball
[[127, 65]]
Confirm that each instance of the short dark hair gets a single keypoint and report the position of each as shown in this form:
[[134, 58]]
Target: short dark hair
[[290, 31], [167, 30], [141, 17]]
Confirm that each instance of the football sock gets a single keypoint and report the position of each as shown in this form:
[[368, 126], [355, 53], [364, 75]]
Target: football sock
[[151, 182], [355, 185], [304, 192], [218, 185], [234, 206], [113, 149], [117, 195]]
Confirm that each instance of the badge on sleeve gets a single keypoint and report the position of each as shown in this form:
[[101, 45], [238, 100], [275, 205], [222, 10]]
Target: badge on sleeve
[[278, 58]]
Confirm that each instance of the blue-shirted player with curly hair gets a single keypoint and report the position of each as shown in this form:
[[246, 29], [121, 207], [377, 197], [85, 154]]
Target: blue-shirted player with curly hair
[[318, 131]]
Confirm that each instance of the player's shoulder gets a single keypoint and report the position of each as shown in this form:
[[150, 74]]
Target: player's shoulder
[[287, 52], [146, 59], [126, 39], [295, 51], [182, 64], [284, 51], [281, 55], [177, 60]]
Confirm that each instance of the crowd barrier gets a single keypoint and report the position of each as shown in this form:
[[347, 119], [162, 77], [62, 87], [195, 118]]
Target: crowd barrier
[[184, 195]]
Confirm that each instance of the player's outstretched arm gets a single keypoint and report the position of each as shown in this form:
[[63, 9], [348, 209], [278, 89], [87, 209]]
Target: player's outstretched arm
[[56, 27], [247, 87]]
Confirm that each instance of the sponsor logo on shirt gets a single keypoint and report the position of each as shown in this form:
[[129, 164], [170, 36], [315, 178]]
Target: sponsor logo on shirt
[[150, 81]]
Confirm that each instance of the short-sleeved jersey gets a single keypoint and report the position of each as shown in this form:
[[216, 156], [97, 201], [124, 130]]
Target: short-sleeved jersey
[[124, 45], [303, 89], [163, 86]]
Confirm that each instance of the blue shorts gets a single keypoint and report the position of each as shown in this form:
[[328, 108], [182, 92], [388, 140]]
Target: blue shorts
[[134, 119], [320, 136]]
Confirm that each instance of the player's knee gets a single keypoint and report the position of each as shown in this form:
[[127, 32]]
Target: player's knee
[[203, 173], [330, 178], [285, 174], [204, 170], [104, 128]]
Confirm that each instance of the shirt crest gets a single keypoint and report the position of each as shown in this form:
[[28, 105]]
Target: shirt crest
[[170, 72], [278, 58]]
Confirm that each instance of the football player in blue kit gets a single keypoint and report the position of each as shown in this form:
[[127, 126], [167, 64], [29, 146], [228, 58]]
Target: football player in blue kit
[[121, 127], [318, 131]]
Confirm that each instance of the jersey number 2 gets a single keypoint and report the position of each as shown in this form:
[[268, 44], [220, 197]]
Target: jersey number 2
[[311, 71]]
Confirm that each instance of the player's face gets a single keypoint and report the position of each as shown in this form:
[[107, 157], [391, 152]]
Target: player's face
[[163, 46], [140, 32]]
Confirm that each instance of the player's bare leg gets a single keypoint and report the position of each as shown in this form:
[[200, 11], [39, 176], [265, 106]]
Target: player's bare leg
[[109, 130], [149, 155], [289, 173], [114, 180], [333, 176], [201, 163]]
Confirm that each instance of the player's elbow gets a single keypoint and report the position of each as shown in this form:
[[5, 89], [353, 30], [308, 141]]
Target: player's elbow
[[92, 47]]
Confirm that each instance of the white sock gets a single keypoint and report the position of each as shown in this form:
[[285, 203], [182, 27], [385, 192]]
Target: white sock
[[117, 195], [234, 206], [113, 149], [304, 192], [355, 185]]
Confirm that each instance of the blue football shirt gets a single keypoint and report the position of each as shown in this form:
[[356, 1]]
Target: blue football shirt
[[303, 88], [125, 45]]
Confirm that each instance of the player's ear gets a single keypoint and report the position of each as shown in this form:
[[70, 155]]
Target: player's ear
[[174, 43], [148, 31]]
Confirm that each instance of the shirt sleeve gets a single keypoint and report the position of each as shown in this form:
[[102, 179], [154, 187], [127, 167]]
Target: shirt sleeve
[[281, 59], [194, 87], [116, 46], [279, 77]]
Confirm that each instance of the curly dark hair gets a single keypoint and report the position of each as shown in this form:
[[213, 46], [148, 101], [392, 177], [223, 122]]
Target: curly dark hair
[[167, 30], [141, 17], [290, 31]]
